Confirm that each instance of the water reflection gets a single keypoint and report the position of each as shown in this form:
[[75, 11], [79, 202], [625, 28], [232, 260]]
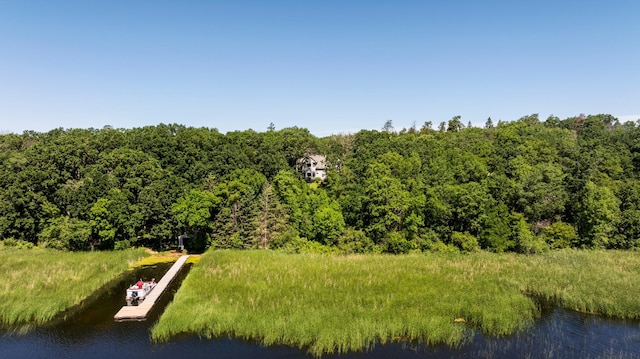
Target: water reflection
[[566, 334], [92, 333]]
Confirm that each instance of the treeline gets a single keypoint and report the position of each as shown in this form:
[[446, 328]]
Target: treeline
[[524, 186]]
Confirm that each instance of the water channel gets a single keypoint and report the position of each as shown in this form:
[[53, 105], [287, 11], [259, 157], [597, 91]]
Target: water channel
[[91, 332]]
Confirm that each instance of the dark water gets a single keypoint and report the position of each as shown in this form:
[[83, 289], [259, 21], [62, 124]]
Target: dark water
[[91, 332]]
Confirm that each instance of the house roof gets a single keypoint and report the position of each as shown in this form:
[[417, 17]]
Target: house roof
[[317, 160]]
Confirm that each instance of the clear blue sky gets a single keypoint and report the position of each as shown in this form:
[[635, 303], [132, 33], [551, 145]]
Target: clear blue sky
[[329, 66]]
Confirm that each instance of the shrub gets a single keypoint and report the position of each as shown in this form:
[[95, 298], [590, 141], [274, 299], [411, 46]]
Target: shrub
[[525, 241], [560, 235], [123, 244], [10, 242], [315, 247], [288, 240], [355, 241], [397, 244], [16, 243], [426, 240], [465, 241], [441, 247]]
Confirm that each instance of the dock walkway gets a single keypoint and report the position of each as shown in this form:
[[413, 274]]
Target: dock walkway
[[140, 311]]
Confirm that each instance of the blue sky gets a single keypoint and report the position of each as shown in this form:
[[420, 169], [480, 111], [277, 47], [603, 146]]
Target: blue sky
[[329, 66]]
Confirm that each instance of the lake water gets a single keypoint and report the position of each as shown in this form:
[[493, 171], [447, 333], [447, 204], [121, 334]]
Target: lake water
[[91, 332]]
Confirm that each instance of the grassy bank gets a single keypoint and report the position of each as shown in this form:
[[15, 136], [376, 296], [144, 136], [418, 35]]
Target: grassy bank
[[38, 284], [603, 282], [345, 303]]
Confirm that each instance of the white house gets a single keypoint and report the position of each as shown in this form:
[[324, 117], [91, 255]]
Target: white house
[[312, 167]]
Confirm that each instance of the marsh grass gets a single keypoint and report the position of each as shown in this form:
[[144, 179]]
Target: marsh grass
[[599, 282], [344, 303], [347, 303], [39, 284]]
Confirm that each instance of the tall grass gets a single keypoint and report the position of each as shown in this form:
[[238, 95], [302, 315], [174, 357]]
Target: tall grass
[[36, 285], [603, 282], [345, 303]]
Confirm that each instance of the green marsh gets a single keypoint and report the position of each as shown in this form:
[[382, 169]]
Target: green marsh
[[39, 284], [348, 303]]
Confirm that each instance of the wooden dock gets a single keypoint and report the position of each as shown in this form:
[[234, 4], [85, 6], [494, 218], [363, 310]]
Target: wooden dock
[[140, 311]]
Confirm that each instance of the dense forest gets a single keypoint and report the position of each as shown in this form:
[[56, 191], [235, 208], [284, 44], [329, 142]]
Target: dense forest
[[526, 186]]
